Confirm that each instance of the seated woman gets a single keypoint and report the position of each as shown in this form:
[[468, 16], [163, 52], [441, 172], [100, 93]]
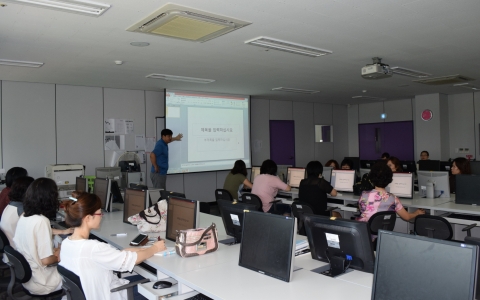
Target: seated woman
[[237, 177], [394, 164], [10, 177], [92, 260], [460, 165], [33, 236], [379, 199], [266, 186], [332, 163], [314, 189], [346, 164], [13, 211]]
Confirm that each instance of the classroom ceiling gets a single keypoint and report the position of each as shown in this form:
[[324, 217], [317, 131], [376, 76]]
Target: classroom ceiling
[[440, 37]]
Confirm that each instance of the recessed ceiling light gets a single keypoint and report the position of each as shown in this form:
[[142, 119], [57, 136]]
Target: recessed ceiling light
[[20, 63], [84, 7], [180, 78], [280, 45], [293, 90], [140, 44], [409, 72]]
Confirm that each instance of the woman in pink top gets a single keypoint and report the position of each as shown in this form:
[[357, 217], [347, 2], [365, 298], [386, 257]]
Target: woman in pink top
[[379, 199], [266, 186]]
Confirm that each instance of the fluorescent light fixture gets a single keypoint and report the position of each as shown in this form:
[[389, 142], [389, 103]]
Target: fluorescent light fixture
[[409, 72], [180, 78], [20, 63], [140, 44], [367, 98], [293, 90], [467, 86], [280, 45], [186, 23], [84, 7], [450, 79]]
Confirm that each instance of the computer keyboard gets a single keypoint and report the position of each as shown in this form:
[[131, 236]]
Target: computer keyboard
[[199, 297]]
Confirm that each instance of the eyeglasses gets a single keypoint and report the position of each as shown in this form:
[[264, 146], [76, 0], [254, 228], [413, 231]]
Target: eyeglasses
[[99, 214]]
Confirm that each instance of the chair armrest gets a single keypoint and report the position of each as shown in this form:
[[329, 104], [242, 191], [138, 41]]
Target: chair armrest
[[469, 227], [128, 285], [331, 208]]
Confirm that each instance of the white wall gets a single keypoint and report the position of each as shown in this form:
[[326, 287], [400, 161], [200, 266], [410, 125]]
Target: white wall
[[461, 117]]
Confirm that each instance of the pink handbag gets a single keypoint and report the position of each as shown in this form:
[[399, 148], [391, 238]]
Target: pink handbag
[[194, 242]]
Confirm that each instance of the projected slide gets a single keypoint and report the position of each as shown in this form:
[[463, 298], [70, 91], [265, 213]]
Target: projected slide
[[215, 131]]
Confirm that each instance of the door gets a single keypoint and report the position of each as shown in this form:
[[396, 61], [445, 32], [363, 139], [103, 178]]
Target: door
[[282, 142]]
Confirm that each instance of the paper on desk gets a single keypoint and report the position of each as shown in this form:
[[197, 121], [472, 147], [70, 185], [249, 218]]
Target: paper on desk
[[169, 249]]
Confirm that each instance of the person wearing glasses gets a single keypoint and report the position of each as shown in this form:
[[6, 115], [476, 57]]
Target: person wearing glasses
[[92, 260], [424, 155]]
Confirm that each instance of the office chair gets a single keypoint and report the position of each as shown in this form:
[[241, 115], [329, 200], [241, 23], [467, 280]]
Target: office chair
[[21, 272], [433, 227], [72, 285], [252, 199], [223, 195], [381, 220], [298, 211], [3, 266]]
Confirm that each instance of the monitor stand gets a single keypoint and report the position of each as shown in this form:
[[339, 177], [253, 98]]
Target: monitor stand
[[335, 268], [236, 239]]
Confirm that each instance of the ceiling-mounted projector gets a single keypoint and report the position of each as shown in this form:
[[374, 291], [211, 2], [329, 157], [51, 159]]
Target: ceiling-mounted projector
[[377, 70]]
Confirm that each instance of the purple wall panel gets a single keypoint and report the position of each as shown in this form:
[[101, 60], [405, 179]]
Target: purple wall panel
[[282, 142]]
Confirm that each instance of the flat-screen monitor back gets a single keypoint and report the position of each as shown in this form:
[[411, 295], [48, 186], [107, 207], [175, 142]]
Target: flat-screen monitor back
[[268, 244], [467, 189], [167, 194], [445, 166], [232, 216], [101, 188], [427, 268], [81, 184], [429, 165], [282, 172], [116, 194], [475, 167], [255, 172], [134, 203], [401, 185], [108, 172], [343, 180], [409, 166], [182, 214], [327, 173], [294, 176], [440, 180], [341, 238]]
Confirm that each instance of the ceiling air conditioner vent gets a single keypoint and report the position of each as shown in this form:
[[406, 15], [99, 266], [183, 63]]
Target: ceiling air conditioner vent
[[187, 24], [450, 79]]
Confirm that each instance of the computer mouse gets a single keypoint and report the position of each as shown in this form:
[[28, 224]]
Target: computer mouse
[[162, 285]]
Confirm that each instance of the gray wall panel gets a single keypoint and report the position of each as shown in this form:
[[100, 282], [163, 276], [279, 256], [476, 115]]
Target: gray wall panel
[[323, 114], [281, 110], [79, 117], [260, 131], [200, 186], [398, 110], [154, 107], [427, 134], [352, 112], [28, 126], [304, 133], [323, 152], [340, 132], [370, 112], [175, 183], [444, 127], [476, 104], [461, 118]]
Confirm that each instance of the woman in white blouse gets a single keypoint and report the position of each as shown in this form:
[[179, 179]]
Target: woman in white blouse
[[92, 260]]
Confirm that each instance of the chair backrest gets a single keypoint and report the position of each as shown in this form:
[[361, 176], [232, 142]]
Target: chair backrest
[[298, 210], [21, 267], [223, 194], [382, 220], [3, 241], [433, 226], [71, 284], [250, 198]]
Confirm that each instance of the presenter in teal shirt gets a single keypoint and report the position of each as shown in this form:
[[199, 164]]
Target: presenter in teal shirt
[[159, 159]]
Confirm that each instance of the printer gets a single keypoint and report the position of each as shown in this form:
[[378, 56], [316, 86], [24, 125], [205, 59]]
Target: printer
[[65, 176]]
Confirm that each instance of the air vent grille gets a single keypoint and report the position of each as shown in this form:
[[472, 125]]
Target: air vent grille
[[450, 79], [294, 90]]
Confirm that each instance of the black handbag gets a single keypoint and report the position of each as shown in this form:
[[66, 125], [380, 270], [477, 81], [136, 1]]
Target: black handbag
[[363, 185]]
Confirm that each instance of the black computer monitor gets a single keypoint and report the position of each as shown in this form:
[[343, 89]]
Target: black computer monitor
[[424, 268], [181, 215], [367, 164], [467, 189], [475, 167], [409, 166], [134, 203], [167, 194], [268, 244], [129, 166], [445, 166], [356, 162], [294, 176], [101, 188], [81, 184], [429, 165], [116, 194], [342, 243], [232, 216]]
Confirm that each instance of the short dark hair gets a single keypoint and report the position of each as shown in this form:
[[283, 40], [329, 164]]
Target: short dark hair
[[332, 161], [41, 198], [463, 165], [19, 187], [268, 167], [239, 168], [348, 162], [380, 175], [86, 204], [166, 132], [314, 169], [385, 155], [424, 151], [13, 174]]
